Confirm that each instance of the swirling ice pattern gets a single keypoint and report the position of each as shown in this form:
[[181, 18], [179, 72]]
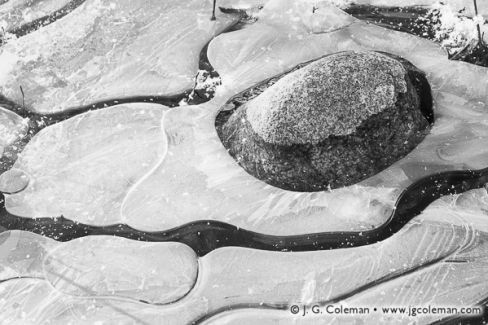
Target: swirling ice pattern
[[216, 289]]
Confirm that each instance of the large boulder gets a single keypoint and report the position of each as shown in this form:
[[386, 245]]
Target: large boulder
[[330, 123]]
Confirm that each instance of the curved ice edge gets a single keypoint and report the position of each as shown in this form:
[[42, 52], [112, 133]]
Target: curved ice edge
[[204, 236], [39, 121]]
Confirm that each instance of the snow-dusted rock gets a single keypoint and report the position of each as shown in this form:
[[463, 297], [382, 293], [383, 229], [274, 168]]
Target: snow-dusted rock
[[459, 89], [157, 273], [198, 180], [124, 164], [132, 164], [332, 123], [108, 50], [331, 96]]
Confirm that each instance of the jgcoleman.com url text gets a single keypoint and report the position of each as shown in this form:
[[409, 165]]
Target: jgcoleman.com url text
[[410, 311]]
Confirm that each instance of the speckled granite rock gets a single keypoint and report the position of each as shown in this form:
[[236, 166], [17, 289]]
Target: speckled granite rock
[[330, 123]]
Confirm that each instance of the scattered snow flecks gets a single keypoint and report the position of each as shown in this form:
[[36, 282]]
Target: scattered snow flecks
[[156, 168], [427, 262], [102, 52], [14, 14], [453, 29]]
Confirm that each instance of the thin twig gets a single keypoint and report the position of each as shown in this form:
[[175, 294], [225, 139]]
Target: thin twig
[[23, 97], [480, 37], [213, 11]]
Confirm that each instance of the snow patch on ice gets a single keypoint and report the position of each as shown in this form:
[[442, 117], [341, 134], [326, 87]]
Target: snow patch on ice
[[305, 16], [455, 30]]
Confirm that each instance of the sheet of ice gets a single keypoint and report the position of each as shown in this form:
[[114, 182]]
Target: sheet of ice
[[16, 13], [305, 16], [22, 254], [12, 127], [198, 180], [456, 279], [157, 273], [111, 166], [155, 168], [101, 266], [425, 263], [83, 167], [241, 4], [13, 181], [261, 51], [106, 50], [201, 182]]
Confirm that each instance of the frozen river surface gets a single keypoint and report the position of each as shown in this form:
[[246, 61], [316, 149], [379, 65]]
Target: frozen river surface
[[154, 167]]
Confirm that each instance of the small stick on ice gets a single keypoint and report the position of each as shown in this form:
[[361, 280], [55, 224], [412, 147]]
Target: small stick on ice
[[23, 97], [480, 37], [213, 11]]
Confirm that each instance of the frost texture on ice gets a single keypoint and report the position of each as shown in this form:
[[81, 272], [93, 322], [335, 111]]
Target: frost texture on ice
[[15, 13], [241, 4], [108, 50], [157, 273], [13, 181], [12, 127], [439, 260], [22, 254], [157, 168], [305, 16], [84, 166], [196, 179], [424, 263]]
